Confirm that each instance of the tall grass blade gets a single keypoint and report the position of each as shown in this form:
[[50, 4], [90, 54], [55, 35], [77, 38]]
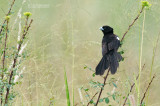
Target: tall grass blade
[[67, 90]]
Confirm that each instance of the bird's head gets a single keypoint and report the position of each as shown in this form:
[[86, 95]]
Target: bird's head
[[106, 29]]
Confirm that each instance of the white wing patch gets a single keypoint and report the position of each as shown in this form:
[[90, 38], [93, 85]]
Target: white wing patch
[[117, 37]]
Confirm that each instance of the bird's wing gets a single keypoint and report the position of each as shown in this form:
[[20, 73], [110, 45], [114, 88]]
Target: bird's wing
[[114, 44], [104, 48]]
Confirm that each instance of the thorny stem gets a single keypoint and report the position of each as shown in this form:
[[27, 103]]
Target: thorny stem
[[15, 59], [147, 90], [7, 15], [132, 23]]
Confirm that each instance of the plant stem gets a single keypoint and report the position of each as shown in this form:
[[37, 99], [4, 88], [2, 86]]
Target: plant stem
[[3, 60], [131, 88], [140, 59], [153, 57], [7, 15], [147, 90], [130, 91], [92, 98], [132, 23], [102, 87]]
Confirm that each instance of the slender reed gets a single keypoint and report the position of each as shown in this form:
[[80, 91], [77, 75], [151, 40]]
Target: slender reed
[[140, 59]]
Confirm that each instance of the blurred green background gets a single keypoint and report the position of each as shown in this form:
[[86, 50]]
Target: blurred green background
[[65, 33]]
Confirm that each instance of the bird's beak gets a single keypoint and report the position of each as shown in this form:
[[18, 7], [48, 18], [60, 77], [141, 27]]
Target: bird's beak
[[101, 28]]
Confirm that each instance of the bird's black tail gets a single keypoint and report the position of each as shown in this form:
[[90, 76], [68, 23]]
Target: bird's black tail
[[114, 59], [102, 66], [109, 60]]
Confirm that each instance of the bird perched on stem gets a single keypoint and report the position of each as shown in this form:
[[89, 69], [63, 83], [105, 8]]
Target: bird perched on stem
[[110, 45]]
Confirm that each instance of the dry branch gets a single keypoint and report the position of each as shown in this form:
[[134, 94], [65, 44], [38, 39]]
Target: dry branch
[[147, 90], [132, 23]]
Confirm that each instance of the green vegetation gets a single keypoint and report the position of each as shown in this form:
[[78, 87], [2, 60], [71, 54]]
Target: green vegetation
[[67, 90]]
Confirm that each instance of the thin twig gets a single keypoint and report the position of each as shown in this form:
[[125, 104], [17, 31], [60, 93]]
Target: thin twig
[[3, 61], [101, 88], [130, 91], [7, 15], [132, 23], [92, 98], [4, 51], [104, 83], [26, 24], [147, 89], [15, 59], [131, 88]]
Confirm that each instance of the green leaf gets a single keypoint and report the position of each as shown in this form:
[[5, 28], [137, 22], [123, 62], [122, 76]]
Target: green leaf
[[121, 43], [121, 52], [93, 75], [91, 102], [114, 97], [67, 90], [85, 67], [124, 97], [107, 100], [86, 89], [100, 100], [122, 59], [114, 84], [143, 104]]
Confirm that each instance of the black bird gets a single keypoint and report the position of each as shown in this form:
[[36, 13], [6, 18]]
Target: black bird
[[110, 45]]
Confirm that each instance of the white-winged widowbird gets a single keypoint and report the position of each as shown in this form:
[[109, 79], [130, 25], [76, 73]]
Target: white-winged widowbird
[[111, 57]]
